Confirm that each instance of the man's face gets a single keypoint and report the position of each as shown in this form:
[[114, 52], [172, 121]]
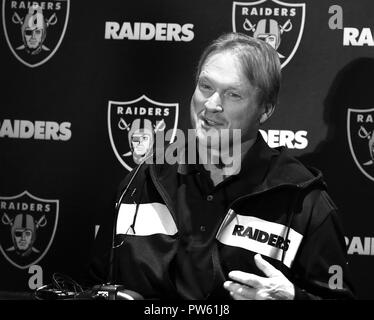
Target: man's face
[[23, 238], [33, 37], [224, 99], [141, 143]]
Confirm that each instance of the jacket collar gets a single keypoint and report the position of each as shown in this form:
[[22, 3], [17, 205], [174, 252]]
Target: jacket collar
[[265, 167]]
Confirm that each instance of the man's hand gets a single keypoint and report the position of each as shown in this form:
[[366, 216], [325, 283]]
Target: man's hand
[[248, 286]]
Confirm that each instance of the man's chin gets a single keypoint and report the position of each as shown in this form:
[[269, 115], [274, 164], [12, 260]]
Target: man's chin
[[208, 139]]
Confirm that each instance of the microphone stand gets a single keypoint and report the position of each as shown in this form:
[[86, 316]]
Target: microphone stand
[[111, 291]]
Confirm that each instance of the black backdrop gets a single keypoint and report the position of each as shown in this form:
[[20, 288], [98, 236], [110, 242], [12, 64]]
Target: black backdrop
[[60, 145]]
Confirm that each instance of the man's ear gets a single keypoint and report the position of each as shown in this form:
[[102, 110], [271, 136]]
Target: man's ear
[[268, 111]]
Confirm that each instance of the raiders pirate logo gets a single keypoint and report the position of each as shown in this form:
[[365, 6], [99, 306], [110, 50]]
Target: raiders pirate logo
[[360, 130], [34, 30], [27, 228], [132, 126], [278, 23]]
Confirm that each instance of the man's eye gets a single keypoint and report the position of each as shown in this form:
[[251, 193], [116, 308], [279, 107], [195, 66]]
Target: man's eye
[[205, 86], [233, 95]]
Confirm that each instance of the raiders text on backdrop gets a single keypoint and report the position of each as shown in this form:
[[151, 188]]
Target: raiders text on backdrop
[[149, 31], [41, 130], [351, 36]]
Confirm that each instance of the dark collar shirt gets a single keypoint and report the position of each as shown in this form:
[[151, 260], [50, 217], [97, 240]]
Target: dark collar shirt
[[201, 207]]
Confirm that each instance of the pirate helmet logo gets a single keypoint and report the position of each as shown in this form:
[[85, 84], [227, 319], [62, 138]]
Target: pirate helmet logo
[[23, 234], [360, 131], [270, 31], [34, 30], [261, 20], [141, 140], [27, 228], [31, 24], [132, 126]]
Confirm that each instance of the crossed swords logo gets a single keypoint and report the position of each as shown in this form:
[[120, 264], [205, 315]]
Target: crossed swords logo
[[364, 134], [8, 221], [286, 27], [50, 22], [123, 125]]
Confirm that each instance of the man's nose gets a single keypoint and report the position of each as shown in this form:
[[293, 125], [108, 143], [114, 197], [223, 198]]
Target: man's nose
[[214, 103]]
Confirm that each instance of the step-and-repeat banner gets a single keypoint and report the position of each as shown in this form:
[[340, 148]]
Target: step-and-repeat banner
[[79, 76]]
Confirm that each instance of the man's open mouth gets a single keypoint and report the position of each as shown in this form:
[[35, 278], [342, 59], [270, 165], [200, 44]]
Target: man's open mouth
[[208, 123]]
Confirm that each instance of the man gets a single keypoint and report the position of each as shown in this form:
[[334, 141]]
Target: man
[[192, 231]]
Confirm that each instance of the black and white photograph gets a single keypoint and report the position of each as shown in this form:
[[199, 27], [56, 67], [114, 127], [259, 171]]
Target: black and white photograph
[[187, 157]]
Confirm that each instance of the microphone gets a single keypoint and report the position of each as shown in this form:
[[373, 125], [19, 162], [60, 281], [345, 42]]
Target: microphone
[[111, 291], [117, 208]]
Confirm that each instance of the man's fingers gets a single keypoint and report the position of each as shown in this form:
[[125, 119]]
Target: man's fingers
[[248, 279], [237, 296], [239, 288], [266, 267], [239, 291]]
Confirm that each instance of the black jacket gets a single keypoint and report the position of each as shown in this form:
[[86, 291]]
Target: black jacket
[[287, 217]]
